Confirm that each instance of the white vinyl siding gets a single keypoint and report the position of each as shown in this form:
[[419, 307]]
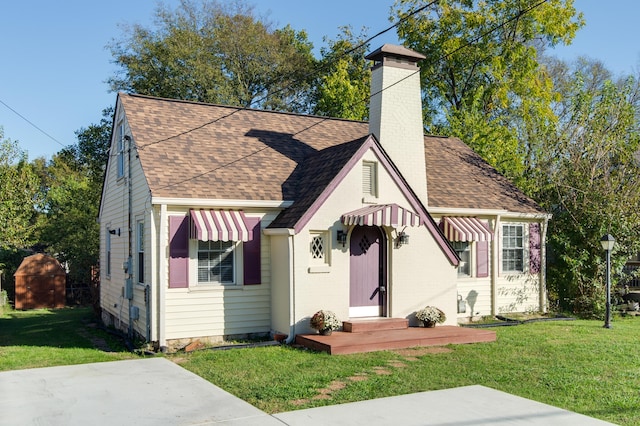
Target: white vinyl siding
[[216, 310]]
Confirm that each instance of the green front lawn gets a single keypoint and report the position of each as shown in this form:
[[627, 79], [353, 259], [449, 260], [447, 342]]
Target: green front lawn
[[46, 338], [576, 365]]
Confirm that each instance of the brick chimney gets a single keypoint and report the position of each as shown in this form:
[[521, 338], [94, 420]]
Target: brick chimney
[[395, 112]]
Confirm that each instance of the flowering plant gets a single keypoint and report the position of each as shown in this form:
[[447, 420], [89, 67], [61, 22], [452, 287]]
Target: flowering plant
[[325, 320], [431, 314]]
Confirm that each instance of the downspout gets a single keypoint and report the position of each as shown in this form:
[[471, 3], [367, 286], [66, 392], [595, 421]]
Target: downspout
[[292, 292], [494, 267]]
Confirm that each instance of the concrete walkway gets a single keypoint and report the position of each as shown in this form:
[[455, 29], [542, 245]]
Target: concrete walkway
[[158, 392]]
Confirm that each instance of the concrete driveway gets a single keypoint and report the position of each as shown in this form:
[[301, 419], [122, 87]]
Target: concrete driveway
[[158, 392]]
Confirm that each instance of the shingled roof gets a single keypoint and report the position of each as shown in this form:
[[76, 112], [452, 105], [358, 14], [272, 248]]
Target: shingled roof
[[457, 177], [194, 150], [203, 151]]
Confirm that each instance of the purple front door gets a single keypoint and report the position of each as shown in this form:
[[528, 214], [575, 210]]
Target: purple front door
[[367, 272]]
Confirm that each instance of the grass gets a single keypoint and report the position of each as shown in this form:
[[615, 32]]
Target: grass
[[575, 365], [46, 338]]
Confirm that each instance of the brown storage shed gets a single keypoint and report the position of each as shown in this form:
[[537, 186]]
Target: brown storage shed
[[40, 283]]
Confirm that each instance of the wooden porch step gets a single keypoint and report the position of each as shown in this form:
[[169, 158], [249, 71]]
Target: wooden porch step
[[374, 324], [340, 342]]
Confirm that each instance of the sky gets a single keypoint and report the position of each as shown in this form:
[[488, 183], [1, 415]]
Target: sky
[[54, 62]]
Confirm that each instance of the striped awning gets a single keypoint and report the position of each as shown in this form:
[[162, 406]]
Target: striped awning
[[219, 225], [465, 229], [382, 215]]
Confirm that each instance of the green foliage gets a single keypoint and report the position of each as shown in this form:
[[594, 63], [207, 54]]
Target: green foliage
[[46, 338], [343, 88], [19, 192], [73, 182], [589, 180], [211, 52], [481, 79]]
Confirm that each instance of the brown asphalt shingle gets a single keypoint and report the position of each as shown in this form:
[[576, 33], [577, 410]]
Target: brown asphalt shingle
[[194, 150], [457, 177]]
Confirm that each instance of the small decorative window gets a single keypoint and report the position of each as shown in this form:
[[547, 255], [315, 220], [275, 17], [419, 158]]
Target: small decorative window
[[463, 249], [369, 180], [319, 247]]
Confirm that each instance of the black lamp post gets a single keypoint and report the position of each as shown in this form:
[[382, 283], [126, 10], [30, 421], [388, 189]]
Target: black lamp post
[[607, 244]]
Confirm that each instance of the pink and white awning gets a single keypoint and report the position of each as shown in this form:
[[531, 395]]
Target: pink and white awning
[[382, 215], [465, 229], [219, 225]]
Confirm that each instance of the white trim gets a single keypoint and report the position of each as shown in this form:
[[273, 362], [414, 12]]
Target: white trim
[[279, 231], [486, 213], [152, 243], [364, 311], [197, 202], [163, 271]]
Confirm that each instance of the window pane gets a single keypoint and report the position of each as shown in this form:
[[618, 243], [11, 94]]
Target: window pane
[[463, 249], [215, 262], [513, 248]]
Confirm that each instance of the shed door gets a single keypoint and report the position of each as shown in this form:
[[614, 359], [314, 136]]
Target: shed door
[[40, 292], [367, 273]]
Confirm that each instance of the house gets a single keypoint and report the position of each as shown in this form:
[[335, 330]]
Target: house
[[219, 221]]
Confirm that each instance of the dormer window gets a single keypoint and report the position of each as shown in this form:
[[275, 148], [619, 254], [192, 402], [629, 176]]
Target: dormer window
[[369, 180]]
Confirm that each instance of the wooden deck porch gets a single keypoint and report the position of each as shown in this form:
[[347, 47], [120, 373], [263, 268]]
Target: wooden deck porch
[[390, 333]]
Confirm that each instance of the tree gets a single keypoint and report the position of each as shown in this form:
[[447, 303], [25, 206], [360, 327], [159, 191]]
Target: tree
[[73, 181], [343, 88], [589, 180], [210, 52], [481, 78], [19, 193]]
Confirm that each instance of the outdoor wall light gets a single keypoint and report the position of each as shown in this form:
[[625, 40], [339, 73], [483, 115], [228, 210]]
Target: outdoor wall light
[[403, 238], [341, 236], [607, 244]]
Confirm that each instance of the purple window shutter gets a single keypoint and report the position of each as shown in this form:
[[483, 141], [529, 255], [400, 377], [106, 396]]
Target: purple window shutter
[[178, 252], [482, 257], [535, 258], [251, 253]]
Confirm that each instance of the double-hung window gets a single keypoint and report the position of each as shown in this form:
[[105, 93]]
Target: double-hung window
[[216, 262], [463, 249], [513, 248]]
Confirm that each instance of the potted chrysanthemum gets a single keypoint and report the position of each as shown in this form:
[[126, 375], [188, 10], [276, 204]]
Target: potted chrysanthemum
[[325, 322], [430, 315]]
